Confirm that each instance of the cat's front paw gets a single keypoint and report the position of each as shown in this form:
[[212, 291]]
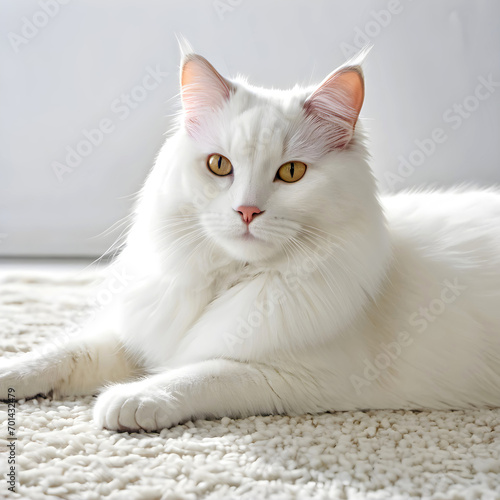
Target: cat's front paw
[[136, 406], [8, 381], [20, 379]]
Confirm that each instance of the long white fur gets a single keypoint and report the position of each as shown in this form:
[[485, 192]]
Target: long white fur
[[299, 317]]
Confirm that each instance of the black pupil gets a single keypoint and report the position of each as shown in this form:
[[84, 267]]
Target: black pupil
[[292, 169], [219, 162]]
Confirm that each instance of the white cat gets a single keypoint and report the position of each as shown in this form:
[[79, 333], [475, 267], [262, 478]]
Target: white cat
[[268, 278]]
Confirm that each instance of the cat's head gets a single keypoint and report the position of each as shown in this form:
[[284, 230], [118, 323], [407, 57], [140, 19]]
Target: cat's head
[[264, 173]]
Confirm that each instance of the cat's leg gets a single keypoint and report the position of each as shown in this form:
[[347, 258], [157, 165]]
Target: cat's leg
[[208, 389], [73, 366]]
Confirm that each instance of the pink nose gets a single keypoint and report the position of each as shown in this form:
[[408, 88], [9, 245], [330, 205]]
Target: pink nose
[[248, 213]]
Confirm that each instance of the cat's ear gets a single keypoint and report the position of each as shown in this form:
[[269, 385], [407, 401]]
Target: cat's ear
[[203, 89], [335, 104]]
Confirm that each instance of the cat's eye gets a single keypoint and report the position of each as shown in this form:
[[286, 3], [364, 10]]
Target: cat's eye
[[292, 171], [219, 165]]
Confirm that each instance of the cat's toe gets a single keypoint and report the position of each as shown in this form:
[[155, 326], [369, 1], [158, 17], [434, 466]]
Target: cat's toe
[[146, 415], [138, 412], [108, 407]]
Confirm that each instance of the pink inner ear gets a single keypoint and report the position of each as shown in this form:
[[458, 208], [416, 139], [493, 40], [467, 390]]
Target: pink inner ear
[[335, 106], [203, 90], [352, 82]]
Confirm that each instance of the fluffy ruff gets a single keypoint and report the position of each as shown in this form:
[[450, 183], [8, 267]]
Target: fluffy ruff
[[345, 455]]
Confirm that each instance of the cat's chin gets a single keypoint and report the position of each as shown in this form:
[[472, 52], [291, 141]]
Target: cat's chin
[[248, 247]]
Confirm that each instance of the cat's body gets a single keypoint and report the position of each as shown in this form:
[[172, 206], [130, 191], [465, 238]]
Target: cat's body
[[323, 304]]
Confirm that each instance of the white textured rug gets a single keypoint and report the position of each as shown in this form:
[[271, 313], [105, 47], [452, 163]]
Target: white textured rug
[[354, 455]]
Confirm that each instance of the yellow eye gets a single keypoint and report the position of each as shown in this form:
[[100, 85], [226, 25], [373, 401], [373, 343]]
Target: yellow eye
[[292, 171], [219, 165]]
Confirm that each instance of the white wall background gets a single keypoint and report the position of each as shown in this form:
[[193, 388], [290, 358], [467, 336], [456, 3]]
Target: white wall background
[[71, 72]]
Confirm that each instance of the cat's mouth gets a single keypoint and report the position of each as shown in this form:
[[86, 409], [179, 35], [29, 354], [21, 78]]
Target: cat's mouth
[[248, 236], [246, 244]]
